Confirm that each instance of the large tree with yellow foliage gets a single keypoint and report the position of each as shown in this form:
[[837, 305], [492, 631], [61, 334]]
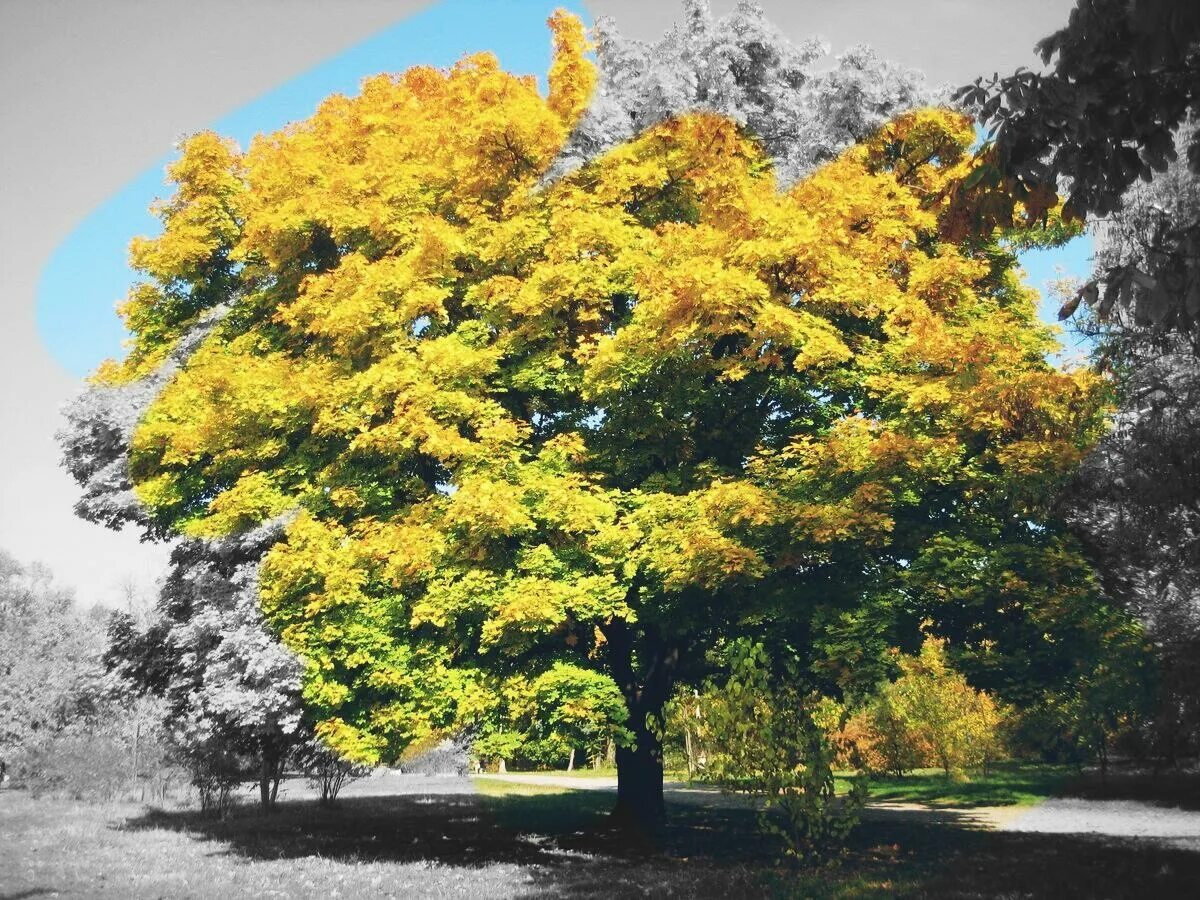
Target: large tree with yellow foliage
[[512, 423]]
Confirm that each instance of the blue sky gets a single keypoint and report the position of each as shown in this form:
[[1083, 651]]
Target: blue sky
[[87, 274]]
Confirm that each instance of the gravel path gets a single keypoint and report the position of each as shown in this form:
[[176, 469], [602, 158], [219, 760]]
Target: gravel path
[[1113, 818]]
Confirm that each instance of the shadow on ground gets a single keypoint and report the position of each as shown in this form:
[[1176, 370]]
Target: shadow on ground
[[566, 844]]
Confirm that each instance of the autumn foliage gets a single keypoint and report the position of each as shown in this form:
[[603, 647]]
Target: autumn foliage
[[931, 716], [517, 425]]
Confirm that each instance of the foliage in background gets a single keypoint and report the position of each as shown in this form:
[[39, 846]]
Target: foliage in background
[[48, 657], [66, 728], [803, 110], [544, 720], [1029, 621], [930, 715], [1123, 76], [1136, 501]]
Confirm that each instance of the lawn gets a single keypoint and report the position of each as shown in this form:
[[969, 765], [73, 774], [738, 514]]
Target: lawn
[[1010, 784], [450, 838], [921, 856]]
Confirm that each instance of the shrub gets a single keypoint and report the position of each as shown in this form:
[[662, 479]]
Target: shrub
[[115, 752], [78, 765], [762, 738], [437, 755], [326, 771], [932, 716], [215, 774]]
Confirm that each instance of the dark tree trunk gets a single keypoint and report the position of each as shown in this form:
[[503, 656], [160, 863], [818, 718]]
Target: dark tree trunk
[[645, 688], [268, 776], [1103, 757], [640, 783]]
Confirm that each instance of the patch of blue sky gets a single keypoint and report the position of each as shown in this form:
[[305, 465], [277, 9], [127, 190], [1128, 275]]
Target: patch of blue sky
[[88, 272], [1073, 260]]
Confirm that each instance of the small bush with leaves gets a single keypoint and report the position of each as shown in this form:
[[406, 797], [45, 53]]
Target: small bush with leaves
[[326, 771], [932, 716], [763, 739], [215, 773]]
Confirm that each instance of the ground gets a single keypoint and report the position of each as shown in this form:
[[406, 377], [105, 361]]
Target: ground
[[409, 836]]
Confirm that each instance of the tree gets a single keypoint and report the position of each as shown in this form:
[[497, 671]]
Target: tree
[[232, 692], [1135, 502], [1115, 117], [741, 66], [48, 658], [606, 419], [545, 719], [932, 712], [1125, 76]]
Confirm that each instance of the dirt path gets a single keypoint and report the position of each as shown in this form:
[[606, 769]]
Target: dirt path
[[702, 795], [1109, 818]]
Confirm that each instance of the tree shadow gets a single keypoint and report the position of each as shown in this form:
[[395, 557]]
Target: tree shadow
[[564, 840], [566, 844]]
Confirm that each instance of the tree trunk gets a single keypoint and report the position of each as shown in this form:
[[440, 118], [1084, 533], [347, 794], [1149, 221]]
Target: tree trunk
[[1103, 757], [571, 761], [137, 737], [268, 772], [500, 768], [640, 804], [264, 788]]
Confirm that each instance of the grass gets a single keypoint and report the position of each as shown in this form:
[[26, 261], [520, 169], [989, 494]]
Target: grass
[[1012, 784], [589, 772], [508, 839]]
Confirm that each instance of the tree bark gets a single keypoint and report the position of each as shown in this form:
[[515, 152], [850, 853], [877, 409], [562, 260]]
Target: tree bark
[[268, 772], [640, 805]]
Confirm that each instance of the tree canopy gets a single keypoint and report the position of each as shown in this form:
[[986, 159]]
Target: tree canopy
[[513, 425]]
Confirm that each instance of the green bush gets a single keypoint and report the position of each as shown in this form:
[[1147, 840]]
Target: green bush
[[760, 736]]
